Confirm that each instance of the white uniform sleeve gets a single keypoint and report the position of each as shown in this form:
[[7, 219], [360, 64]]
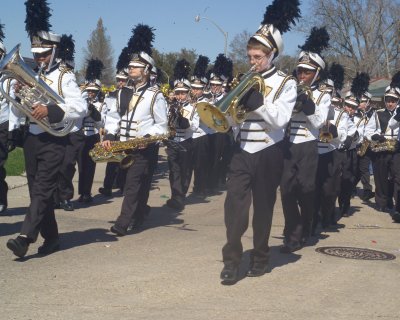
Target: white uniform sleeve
[[75, 107], [317, 119], [160, 116], [113, 119], [16, 117], [342, 127], [370, 127], [194, 121], [278, 113], [393, 123]]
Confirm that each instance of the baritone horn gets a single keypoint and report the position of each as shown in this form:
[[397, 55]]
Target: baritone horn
[[34, 90], [215, 115]]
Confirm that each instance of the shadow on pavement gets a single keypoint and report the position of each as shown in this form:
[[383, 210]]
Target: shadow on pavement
[[7, 229]]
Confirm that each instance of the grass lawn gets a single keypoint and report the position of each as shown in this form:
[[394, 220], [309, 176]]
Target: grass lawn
[[15, 164]]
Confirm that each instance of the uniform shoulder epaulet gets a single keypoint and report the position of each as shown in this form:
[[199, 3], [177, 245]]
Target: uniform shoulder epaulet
[[156, 91], [380, 110], [281, 73], [322, 93], [339, 117], [286, 79], [63, 70]]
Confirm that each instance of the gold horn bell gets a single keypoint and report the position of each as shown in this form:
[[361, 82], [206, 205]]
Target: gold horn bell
[[215, 115]]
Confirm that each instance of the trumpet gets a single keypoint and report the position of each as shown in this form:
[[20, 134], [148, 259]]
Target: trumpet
[[302, 88], [324, 135], [34, 90]]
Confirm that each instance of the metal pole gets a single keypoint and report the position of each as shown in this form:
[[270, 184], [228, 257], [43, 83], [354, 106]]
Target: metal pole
[[225, 34]]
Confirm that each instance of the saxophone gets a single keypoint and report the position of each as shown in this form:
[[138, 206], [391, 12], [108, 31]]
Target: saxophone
[[120, 151], [389, 145], [362, 150]]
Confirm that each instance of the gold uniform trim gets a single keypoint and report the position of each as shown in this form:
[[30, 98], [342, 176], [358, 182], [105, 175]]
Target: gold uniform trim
[[279, 91]]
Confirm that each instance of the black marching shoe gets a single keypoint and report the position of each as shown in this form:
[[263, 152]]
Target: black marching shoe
[[396, 217], [19, 246], [367, 195], [229, 274], [174, 204], [105, 192], [3, 208], [290, 246], [117, 230], [257, 269], [66, 205], [49, 246], [85, 198]]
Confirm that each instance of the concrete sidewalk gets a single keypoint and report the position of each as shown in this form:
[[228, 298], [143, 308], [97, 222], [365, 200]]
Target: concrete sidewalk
[[170, 270]]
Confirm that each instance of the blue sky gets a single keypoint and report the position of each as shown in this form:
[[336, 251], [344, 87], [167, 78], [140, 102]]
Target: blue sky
[[173, 20]]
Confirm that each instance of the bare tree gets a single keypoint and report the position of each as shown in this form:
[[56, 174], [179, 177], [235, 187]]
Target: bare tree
[[99, 46], [238, 52], [364, 33]]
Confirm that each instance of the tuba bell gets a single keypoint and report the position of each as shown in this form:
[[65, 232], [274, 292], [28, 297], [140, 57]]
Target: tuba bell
[[215, 115], [34, 90]]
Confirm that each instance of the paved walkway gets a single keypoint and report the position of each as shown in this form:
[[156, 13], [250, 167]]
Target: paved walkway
[[170, 270]]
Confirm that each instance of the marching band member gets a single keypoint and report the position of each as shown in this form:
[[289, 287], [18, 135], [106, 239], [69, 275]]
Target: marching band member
[[301, 152], [330, 160], [385, 150], [7, 142], [200, 136], [75, 143], [44, 152], [366, 118], [218, 141], [113, 171], [183, 121], [349, 172], [256, 166], [93, 123], [144, 115], [392, 96]]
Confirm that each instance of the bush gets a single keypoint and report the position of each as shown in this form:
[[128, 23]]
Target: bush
[[15, 164]]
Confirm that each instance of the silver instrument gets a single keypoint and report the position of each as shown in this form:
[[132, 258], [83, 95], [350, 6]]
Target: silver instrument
[[34, 90]]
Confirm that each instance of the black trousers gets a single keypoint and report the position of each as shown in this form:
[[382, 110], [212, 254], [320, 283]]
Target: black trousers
[[251, 176], [75, 143], [383, 167], [217, 143], [298, 188], [327, 187], [86, 166], [201, 163], [363, 172], [180, 170], [3, 159], [349, 173], [137, 185], [44, 154], [114, 174]]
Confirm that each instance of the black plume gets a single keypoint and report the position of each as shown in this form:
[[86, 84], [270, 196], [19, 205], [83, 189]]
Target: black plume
[[94, 69], [336, 73], [201, 66], [396, 80], [123, 59], [181, 70], [1, 32], [66, 48], [228, 68], [142, 37], [37, 17], [220, 65], [282, 13], [360, 84], [317, 41]]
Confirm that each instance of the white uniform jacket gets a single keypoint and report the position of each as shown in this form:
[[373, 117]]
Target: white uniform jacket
[[266, 125], [305, 128], [145, 115], [202, 130], [189, 112], [91, 127], [386, 125], [341, 121]]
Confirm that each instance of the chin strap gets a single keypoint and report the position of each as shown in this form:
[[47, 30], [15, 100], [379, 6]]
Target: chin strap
[[53, 53]]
